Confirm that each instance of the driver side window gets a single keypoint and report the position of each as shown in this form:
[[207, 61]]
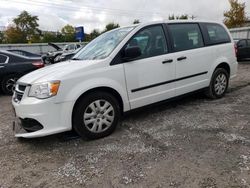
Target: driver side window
[[151, 41]]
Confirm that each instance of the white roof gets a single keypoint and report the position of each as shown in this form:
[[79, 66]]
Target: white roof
[[175, 21]]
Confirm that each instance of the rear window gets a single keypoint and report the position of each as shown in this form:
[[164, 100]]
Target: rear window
[[216, 34]]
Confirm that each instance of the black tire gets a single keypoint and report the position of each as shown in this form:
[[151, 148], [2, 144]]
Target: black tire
[[211, 90], [83, 105], [8, 83]]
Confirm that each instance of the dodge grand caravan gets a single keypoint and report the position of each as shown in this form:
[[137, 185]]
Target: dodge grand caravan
[[121, 70]]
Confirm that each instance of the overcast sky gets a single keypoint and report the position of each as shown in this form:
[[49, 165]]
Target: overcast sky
[[54, 14]]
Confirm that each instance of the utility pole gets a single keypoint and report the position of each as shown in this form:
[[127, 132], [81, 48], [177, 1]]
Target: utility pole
[[193, 17]]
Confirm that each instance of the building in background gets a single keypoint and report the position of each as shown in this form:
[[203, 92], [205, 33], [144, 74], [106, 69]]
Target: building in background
[[240, 33]]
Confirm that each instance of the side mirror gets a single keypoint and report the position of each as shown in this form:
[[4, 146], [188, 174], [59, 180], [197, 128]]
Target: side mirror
[[131, 53], [239, 46]]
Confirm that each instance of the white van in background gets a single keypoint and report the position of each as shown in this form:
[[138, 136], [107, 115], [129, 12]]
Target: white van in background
[[121, 70]]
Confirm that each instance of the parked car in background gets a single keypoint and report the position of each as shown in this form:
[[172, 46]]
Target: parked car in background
[[24, 53], [66, 55], [243, 49], [50, 57], [13, 66], [121, 70]]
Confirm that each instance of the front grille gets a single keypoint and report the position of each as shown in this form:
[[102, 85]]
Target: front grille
[[19, 91], [21, 87], [19, 96]]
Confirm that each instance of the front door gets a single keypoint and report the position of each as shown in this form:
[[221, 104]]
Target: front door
[[149, 77]]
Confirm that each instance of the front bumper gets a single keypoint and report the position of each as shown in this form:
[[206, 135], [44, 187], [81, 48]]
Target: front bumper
[[52, 117]]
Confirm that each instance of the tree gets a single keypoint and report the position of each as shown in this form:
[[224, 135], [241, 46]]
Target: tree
[[1, 37], [181, 17], [14, 35], [111, 26], [35, 39], [27, 24], [86, 37], [52, 37], [95, 33], [68, 31], [136, 21], [172, 17], [236, 16]]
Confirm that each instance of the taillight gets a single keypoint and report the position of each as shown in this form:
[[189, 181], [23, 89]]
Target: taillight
[[236, 50], [38, 64]]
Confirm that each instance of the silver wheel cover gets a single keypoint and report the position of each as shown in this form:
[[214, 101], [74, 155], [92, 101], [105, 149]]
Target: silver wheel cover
[[220, 84], [98, 116]]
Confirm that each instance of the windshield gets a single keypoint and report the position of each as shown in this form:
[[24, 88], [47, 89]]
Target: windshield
[[103, 45]]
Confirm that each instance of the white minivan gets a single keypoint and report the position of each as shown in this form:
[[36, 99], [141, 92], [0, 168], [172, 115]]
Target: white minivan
[[121, 70]]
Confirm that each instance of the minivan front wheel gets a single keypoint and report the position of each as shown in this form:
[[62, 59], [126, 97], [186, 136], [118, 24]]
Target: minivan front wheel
[[96, 115], [218, 84]]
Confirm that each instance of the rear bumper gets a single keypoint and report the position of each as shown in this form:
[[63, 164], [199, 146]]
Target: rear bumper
[[234, 70]]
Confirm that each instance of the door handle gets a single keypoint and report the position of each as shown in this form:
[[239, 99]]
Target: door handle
[[181, 58], [167, 61]]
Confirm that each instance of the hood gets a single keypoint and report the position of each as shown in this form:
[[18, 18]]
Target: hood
[[54, 46], [56, 72]]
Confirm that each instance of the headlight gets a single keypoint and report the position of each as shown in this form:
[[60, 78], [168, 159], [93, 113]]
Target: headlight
[[44, 90]]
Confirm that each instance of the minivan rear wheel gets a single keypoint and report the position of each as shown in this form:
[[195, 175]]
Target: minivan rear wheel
[[96, 115], [218, 84]]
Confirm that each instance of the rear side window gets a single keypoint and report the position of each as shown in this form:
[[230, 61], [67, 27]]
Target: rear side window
[[186, 36], [3, 59], [18, 52], [216, 34], [242, 43]]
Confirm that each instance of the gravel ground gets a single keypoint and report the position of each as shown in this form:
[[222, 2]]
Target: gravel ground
[[192, 142]]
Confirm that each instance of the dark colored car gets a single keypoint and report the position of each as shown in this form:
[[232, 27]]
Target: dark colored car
[[243, 49], [24, 53], [50, 57], [13, 66], [66, 55]]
